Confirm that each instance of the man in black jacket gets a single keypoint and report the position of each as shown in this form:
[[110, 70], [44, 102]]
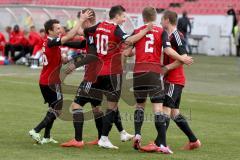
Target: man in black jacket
[[232, 12], [183, 26]]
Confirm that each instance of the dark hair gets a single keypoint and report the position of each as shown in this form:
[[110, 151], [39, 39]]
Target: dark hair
[[116, 10], [42, 30], [32, 27], [78, 14], [49, 25], [66, 29], [16, 28], [149, 14], [184, 14], [172, 16]]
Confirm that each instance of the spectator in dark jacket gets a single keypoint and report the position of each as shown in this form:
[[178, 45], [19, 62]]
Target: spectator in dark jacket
[[185, 27], [232, 12], [8, 30]]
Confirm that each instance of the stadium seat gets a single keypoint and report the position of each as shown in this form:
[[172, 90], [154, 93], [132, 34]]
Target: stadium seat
[[135, 6]]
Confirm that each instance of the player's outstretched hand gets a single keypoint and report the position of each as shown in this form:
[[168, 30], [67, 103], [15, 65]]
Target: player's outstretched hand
[[70, 68], [187, 60], [84, 16]]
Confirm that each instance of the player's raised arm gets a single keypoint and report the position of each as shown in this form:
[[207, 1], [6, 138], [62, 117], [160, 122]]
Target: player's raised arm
[[72, 44], [76, 44], [130, 40], [82, 59], [74, 31]]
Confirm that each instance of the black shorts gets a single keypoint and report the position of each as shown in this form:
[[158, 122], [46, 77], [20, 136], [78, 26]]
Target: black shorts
[[149, 83], [173, 94], [88, 93], [110, 86], [52, 95]]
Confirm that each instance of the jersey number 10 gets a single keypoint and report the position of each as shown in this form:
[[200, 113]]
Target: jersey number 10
[[102, 44]]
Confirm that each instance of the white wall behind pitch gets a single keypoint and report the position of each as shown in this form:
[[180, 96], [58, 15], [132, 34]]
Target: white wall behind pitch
[[216, 28]]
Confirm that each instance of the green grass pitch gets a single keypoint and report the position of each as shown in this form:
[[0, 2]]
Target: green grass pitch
[[211, 100]]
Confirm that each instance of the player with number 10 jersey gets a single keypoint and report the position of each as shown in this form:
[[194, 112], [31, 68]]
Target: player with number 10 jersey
[[108, 37]]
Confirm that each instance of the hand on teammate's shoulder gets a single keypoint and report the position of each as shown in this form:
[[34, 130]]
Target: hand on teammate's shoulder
[[150, 26]]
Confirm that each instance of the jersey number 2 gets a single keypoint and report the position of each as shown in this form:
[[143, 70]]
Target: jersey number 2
[[149, 43], [102, 44]]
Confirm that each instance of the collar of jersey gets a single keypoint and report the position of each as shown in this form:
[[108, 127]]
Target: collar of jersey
[[111, 22], [154, 24], [173, 31], [50, 38]]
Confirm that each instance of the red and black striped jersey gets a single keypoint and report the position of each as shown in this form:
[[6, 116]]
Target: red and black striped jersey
[[107, 38], [176, 76]]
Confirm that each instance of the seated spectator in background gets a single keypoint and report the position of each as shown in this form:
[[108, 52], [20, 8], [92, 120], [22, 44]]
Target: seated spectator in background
[[8, 30], [2, 44], [35, 40], [237, 38], [64, 49], [42, 33], [184, 26], [21, 58], [28, 49], [17, 42]]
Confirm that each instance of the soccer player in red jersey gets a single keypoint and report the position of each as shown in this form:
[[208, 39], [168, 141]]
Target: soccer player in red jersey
[[148, 79], [107, 37], [175, 80], [86, 93], [49, 79]]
